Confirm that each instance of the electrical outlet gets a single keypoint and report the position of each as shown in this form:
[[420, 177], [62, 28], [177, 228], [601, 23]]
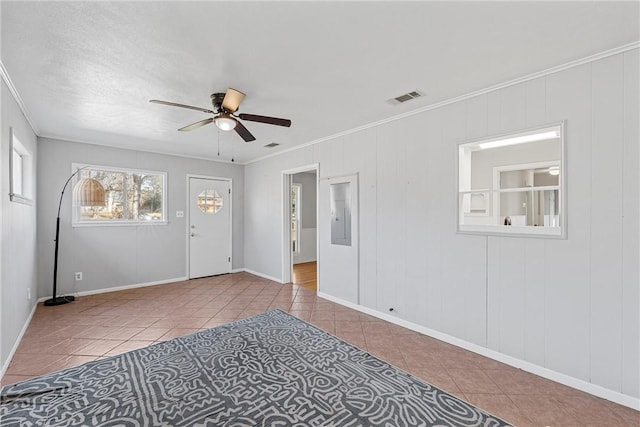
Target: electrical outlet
[[179, 214], [79, 275]]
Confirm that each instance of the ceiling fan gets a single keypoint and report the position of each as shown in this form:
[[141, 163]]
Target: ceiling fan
[[224, 107]]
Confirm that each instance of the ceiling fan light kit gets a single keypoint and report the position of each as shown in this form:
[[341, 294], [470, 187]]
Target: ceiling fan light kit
[[224, 107], [225, 122]]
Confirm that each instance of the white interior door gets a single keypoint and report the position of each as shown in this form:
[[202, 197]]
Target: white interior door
[[338, 226], [209, 227]]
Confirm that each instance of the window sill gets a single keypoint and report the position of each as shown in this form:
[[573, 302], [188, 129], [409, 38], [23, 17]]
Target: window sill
[[16, 198], [119, 224], [513, 231]]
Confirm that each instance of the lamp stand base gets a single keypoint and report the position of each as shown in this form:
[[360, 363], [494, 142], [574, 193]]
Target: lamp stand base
[[59, 300]]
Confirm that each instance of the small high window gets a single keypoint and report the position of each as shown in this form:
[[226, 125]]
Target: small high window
[[17, 171], [21, 166], [513, 184], [131, 196]]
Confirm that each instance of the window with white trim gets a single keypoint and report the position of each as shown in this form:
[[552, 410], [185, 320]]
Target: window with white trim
[[21, 167], [17, 171], [131, 197]]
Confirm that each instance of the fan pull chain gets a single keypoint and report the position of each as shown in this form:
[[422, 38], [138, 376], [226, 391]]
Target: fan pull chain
[[218, 142]]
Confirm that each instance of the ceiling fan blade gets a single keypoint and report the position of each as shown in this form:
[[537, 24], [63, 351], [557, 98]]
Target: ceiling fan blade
[[244, 132], [196, 125], [265, 119], [173, 104], [232, 100]]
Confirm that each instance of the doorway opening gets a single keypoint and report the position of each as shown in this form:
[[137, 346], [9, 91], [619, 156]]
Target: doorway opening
[[300, 237]]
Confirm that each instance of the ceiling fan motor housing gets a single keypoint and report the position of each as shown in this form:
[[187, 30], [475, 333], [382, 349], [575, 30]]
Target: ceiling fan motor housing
[[216, 100]]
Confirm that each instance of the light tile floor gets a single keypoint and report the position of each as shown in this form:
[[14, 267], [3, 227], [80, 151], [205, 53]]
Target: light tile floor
[[103, 325]]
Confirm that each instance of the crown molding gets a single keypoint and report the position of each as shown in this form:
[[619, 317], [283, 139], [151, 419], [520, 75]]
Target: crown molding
[[16, 95], [526, 78], [138, 150]]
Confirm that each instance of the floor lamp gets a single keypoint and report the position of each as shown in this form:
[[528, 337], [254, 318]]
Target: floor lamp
[[86, 192]]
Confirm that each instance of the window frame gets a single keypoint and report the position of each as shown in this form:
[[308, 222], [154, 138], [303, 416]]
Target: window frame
[[559, 232], [25, 194], [76, 222]]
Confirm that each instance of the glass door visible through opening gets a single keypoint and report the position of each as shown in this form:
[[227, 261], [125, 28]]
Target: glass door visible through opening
[[296, 190]]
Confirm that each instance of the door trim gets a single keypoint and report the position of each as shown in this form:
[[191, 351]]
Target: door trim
[[285, 232], [188, 216]]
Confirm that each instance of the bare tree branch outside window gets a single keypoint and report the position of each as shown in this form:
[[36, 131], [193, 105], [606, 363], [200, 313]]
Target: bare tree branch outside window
[[130, 196]]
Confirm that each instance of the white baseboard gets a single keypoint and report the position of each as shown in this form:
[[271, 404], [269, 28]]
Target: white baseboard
[[264, 276], [122, 288], [572, 382], [5, 365]]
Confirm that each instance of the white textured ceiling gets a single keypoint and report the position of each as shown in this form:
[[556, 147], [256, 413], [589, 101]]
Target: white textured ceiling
[[86, 70]]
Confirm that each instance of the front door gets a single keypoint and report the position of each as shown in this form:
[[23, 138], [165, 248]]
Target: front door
[[209, 227]]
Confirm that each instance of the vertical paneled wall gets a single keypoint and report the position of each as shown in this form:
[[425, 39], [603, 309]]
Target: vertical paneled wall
[[630, 314], [567, 305], [605, 257], [18, 279]]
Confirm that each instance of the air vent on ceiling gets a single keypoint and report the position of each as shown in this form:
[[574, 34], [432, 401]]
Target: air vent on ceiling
[[273, 144], [406, 97]]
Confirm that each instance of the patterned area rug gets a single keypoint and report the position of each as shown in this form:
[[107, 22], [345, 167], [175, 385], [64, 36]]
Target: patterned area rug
[[268, 370]]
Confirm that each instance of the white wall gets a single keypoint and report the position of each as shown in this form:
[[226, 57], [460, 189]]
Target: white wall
[[18, 272], [111, 256], [569, 306]]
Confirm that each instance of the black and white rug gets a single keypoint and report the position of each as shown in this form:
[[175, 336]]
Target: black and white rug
[[268, 370]]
